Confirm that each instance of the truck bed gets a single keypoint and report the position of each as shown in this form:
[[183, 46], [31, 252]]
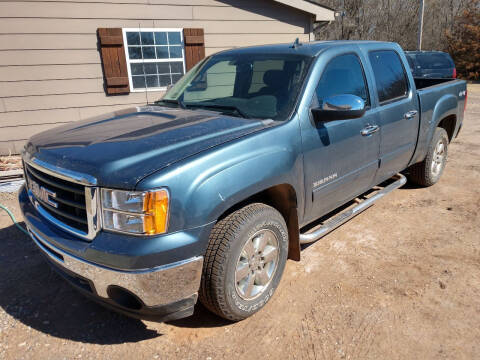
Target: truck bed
[[422, 83], [438, 99]]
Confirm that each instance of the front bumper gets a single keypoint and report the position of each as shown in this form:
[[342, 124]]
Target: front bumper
[[135, 292], [159, 293]]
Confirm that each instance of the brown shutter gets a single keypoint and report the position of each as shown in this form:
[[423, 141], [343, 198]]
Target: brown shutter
[[113, 61], [194, 46]]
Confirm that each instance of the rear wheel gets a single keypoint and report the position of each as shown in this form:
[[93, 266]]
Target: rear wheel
[[244, 261], [429, 171]]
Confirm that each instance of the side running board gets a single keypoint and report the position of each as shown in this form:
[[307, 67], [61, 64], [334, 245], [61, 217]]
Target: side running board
[[362, 203]]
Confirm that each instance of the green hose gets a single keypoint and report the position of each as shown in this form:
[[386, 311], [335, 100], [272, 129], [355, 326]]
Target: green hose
[[14, 220]]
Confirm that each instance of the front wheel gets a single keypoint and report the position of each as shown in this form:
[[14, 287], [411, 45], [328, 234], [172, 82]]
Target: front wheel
[[244, 262], [429, 171]]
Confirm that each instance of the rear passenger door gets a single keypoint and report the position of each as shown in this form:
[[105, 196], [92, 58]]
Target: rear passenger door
[[399, 118]]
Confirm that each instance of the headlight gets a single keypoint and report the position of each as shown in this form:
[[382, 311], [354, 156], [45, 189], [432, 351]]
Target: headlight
[[142, 213]]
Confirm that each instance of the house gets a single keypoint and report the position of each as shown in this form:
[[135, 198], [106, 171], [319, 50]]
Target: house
[[65, 60]]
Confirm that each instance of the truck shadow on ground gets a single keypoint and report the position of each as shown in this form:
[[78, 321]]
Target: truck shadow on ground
[[32, 293]]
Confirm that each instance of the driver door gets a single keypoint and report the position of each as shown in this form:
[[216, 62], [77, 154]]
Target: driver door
[[339, 161]]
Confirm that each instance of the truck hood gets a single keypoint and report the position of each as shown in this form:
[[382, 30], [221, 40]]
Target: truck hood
[[122, 147]]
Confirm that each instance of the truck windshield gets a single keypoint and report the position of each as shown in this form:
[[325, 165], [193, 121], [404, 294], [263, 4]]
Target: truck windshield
[[249, 85]]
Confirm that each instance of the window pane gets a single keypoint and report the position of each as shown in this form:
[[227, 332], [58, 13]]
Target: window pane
[[175, 78], [163, 68], [389, 75], [133, 38], [134, 52], [152, 81], [150, 68], [175, 52], [258, 71], [161, 38], [147, 38], [342, 75], [148, 52], [164, 80], [162, 52], [138, 82], [410, 62], [154, 45], [435, 61], [217, 82], [177, 67], [136, 69], [174, 38]]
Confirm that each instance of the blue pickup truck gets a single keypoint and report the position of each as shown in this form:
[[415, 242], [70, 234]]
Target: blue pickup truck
[[206, 193]]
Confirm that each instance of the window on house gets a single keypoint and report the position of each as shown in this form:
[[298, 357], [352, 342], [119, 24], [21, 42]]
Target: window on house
[[155, 57]]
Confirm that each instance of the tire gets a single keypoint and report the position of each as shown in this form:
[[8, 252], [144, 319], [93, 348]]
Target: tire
[[429, 171], [224, 290]]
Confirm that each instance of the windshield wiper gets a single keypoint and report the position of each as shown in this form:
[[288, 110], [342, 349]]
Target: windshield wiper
[[172, 101], [222, 107]]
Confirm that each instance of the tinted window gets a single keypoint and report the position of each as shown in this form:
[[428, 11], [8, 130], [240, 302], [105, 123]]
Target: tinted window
[[260, 85], [410, 62], [343, 75], [434, 61], [389, 75], [218, 81]]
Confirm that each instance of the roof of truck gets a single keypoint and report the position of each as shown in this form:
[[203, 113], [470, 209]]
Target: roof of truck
[[308, 48]]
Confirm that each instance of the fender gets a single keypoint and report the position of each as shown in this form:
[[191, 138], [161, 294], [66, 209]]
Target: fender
[[444, 107], [205, 186], [216, 192]]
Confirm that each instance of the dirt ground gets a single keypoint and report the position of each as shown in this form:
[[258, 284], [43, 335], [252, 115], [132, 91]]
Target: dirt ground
[[400, 281]]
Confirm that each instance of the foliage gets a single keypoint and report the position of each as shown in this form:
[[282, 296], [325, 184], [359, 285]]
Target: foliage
[[464, 42], [393, 20], [449, 25]]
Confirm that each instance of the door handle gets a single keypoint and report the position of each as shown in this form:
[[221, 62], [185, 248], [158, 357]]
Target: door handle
[[369, 130], [410, 115]]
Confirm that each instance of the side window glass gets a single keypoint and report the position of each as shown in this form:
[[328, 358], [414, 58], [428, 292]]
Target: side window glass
[[389, 75], [343, 75]]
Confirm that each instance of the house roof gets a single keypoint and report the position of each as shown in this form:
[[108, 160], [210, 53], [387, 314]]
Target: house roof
[[321, 13]]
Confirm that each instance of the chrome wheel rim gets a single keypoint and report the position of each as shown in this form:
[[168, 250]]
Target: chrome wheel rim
[[438, 158], [256, 264]]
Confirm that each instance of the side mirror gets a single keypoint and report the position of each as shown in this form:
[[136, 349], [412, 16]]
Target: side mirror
[[339, 107]]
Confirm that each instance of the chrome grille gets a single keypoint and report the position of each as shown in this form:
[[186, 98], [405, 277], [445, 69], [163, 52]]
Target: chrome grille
[[69, 198], [66, 198]]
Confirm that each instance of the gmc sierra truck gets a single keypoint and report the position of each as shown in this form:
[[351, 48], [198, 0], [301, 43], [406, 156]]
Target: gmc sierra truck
[[254, 152]]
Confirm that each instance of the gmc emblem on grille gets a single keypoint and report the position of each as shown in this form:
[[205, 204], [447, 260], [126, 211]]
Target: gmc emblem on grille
[[42, 194]]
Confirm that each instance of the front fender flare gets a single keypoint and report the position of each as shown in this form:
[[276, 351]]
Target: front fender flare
[[221, 187]]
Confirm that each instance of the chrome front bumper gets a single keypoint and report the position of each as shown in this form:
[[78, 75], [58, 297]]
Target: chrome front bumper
[[154, 287]]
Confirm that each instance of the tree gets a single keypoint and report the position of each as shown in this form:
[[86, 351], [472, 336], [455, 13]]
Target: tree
[[464, 42], [393, 20]]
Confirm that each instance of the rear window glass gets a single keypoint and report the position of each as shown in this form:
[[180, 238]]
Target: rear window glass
[[390, 76], [410, 62], [434, 61]]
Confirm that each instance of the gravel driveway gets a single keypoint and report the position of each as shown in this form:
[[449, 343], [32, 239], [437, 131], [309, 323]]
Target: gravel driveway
[[401, 280]]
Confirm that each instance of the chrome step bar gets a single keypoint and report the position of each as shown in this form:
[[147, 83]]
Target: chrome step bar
[[341, 218]]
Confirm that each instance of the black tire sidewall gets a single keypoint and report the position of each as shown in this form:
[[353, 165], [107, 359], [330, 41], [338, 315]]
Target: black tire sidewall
[[269, 219]]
